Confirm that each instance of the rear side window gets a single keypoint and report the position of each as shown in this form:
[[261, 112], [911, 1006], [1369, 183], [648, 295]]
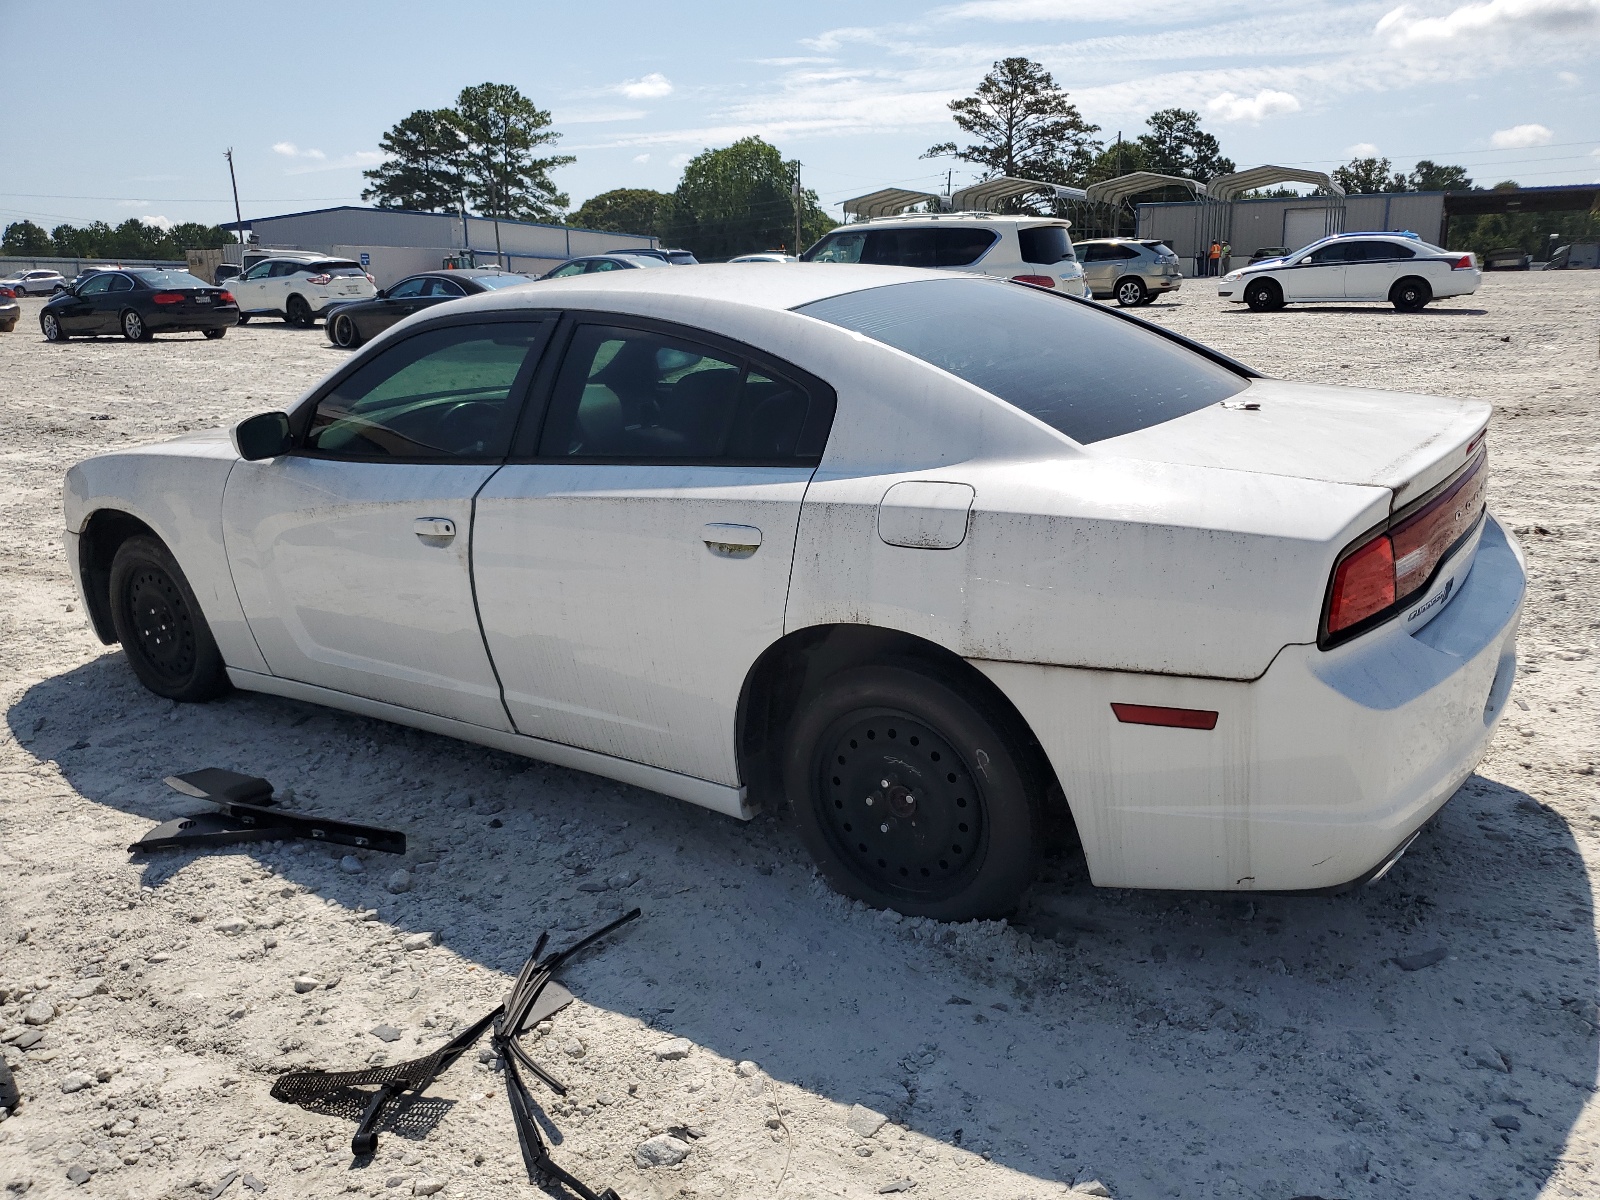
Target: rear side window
[[1378, 252], [1045, 244], [1084, 372]]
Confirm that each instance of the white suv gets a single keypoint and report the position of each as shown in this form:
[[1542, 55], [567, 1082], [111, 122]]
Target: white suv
[[1035, 250], [299, 290], [1400, 268]]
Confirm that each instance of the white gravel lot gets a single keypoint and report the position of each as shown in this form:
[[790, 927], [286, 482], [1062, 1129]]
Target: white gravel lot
[[1165, 1044]]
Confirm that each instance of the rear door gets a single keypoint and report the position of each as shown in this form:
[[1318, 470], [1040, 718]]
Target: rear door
[[351, 555], [1374, 267], [632, 561], [108, 305]]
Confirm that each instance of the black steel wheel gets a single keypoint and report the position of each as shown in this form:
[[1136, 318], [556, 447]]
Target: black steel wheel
[[344, 332], [50, 324], [298, 313], [160, 625], [1411, 295], [1131, 292], [134, 328], [1264, 295], [912, 795]]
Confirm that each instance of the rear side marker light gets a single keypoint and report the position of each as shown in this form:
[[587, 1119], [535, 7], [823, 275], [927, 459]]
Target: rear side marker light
[[1173, 718], [1036, 280], [168, 297]]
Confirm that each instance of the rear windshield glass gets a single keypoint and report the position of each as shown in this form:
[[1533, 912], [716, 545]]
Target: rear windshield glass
[[1046, 244], [336, 268], [1082, 371], [169, 279], [946, 247], [500, 281]]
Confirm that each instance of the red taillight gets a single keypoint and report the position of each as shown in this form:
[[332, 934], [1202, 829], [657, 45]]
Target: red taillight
[[1462, 264], [226, 298], [319, 280], [169, 297], [1363, 584], [1036, 280], [371, 280]]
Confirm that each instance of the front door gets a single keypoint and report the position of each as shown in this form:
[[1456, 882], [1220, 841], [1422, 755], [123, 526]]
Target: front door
[[352, 555], [631, 572], [250, 288], [80, 314], [1315, 276]]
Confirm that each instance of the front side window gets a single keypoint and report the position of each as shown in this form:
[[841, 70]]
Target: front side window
[[408, 288], [95, 284], [446, 393], [1045, 244], [1334, 252], [843, 247], [632, 394], [571, 268], [260, 271], [1080, 370], [444, 287]]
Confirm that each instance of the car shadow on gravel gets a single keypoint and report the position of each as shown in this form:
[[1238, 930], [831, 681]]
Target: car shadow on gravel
[[1312, 310], [1434, 1035]]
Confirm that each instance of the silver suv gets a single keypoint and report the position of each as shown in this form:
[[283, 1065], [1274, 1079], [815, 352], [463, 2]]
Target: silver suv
[[1133, 271]]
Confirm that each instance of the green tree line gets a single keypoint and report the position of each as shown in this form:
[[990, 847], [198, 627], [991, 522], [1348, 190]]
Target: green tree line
[[131, 239]]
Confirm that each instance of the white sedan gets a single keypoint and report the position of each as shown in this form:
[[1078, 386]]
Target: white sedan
[[953, 569], [1394, 268]]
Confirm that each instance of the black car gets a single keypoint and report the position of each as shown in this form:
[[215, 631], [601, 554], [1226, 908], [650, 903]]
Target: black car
[[138, 303], [351, 324], [589, 264]]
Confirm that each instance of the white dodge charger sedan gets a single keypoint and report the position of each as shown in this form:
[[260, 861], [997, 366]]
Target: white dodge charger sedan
[[954, 569], [1395, 268]]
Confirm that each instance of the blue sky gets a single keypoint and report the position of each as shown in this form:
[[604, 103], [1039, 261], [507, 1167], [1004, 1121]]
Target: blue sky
[[148, 97]]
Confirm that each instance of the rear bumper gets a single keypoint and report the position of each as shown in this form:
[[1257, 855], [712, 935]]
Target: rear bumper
[[1314, 774], [222, 317]]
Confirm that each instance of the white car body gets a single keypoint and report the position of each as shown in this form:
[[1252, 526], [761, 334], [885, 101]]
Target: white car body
[[1366, 267], [765, 256], [1003, 258], [34, 283], [611, 616], [271, 286]]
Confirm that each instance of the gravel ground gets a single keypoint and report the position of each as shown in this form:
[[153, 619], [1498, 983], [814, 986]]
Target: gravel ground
[[1433, 1036]]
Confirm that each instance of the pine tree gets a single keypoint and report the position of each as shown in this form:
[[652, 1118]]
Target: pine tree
[[1023, 126]]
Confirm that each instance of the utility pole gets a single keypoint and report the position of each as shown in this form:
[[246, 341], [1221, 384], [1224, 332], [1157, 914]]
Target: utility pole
[[798, 199], [237, 219]]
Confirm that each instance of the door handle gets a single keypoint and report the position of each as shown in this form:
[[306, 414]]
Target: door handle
[[732, 541], [434, 530]]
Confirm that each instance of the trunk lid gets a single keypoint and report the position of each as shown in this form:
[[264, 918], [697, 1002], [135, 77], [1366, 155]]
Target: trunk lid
[[1397, 440]]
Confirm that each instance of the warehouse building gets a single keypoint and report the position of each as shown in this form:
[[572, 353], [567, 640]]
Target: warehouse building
[[393, 243]]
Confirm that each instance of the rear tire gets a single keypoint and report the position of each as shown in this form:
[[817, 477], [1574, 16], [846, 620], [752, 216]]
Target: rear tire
[[956, 832], [214, 334], [134, 328], [1264, 296], [50, 324], [8, 327], [160, 625], [244, 318], [344, 333], [1410, 295], [298, 313], [1131, 292]]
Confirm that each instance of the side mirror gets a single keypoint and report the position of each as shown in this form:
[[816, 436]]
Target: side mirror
[[265, 435], [383, 294]]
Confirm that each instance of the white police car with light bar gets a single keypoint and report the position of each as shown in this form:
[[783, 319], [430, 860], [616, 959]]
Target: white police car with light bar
[[1397, 268]]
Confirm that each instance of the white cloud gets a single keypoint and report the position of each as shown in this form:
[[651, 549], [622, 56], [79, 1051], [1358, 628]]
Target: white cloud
[[1519, 137], [599, 116], [648, 87], [1569, 78], [1361, 150], [1265, 103], [133, 204], [679, 161], [290, 150], [156, 220], [1491, 18], [641, 158], [321, 162]]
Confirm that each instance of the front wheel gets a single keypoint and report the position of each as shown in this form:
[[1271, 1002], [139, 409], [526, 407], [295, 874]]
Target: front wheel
[[343, 333], [51, 325], [134, 328], [1411, 295], [913, 795], [298, 313], [214, 334], [1264, 296], [159, 623], [1131, 293]]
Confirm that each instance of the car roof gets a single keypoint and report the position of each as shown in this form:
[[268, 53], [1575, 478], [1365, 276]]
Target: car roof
[[978, 218]]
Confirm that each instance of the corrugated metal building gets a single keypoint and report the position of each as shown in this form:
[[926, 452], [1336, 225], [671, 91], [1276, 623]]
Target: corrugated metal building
[[1295, 221], [399, 242]]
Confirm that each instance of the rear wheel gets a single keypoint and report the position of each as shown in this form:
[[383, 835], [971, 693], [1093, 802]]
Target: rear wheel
[[344, 333], [159, 623], [1131, 292], [912, 795], [8, 327], [298, 313], [51, 325], [1411, 295], [214, 334], [244, 318], [134, 328], [1264, 295]]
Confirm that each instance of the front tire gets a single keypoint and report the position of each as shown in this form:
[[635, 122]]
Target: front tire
[[160, 625], [298, 313], [1410, 295], [1131, 292], [912, 794], [344, 333], [214, 334], [134, 328], [1264, 296], [50, 324]]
